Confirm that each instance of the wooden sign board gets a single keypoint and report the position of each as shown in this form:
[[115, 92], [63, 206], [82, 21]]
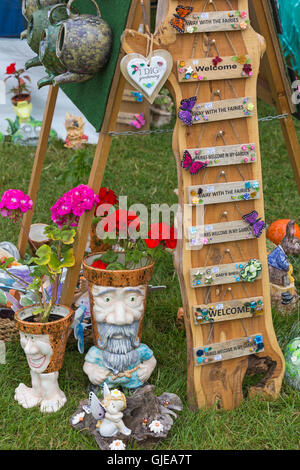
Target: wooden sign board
[[223, 192], [219, 233], [204, 22], [128, 118], [225, 155], [217, 275], [228, 350], [222, 110], [195, 70], [227, 311]]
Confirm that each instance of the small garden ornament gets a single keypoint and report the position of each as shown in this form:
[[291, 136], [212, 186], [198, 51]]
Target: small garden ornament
[[76, 138], [281, 271], [109, 412], [42, 322]]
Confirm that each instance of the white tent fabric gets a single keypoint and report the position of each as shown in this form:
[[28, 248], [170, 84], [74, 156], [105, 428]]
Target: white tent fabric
[[15, 50]]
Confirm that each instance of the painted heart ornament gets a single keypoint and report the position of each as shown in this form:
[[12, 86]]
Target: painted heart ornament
[[147, 75]]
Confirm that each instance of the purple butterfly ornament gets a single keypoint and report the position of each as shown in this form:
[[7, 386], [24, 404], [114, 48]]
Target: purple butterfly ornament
[[191, 165], [185, 113], [257, 225]]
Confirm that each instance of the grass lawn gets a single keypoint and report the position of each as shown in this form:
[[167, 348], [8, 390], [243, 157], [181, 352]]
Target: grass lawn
[[143, 169]]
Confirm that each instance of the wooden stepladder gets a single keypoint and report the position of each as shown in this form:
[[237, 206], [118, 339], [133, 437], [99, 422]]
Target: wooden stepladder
[[221, 260]]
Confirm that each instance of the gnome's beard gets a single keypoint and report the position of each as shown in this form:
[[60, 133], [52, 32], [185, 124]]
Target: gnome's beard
[[119, 353]]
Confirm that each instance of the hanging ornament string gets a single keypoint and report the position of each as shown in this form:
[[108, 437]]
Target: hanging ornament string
[[146, 24]]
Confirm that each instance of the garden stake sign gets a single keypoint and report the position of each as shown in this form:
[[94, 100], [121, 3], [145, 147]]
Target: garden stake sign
[[221, 332]]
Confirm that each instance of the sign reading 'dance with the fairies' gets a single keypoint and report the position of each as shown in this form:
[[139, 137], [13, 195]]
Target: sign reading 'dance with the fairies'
[[216, 68], [229, 350], [227, 311], [226, 274], [185, 20], [223, 192], [191, 113]]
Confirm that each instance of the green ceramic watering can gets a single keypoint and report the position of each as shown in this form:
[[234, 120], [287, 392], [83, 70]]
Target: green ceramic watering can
[[30, 6], [83, 45], [40, 21]]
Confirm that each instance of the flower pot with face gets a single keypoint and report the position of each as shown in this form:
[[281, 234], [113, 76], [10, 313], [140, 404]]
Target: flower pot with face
[[44, 345], [84, 45], [117, 302], [40, 21]]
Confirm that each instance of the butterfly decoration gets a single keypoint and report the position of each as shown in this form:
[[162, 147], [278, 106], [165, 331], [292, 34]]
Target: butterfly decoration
[[200, 192], [179, 22], [257, 225], [185, 113], [139, 121], [191, 165], [217, 60], [97, 410]]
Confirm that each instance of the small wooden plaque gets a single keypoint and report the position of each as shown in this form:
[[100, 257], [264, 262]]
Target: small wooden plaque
[[222, 110], [217, 275], [225, 155], [227, 311], [133, 96], [204, 22], [228, 350], [219, 233], [197, 70], [223, 192]]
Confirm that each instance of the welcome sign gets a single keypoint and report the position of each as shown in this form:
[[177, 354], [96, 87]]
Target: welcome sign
[[195, 70], [219, 233], [225, 155], [227, 311]]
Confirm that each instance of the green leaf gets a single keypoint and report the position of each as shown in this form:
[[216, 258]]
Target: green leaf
[[6, 263], [115, 267], [43, 255], [68, 259], [37, 311], [109, 257]]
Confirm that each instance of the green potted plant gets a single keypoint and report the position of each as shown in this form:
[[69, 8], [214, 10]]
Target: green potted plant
[[42, 322]]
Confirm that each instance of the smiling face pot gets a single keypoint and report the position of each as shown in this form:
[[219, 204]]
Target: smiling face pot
[[44, 345]]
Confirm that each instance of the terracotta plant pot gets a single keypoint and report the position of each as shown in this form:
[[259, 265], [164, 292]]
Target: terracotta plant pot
[[96, 244], [44, 345], [57, 331], [140, 276], [19, 98]]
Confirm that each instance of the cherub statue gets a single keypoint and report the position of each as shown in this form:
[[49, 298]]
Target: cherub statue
[[109, 412]]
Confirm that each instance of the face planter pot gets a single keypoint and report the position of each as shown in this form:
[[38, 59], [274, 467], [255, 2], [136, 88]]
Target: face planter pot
[[83, 46], [44, 345], [118, 301], [40, 21]]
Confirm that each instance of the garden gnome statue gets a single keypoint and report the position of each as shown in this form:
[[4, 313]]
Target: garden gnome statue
[[120, 358], [45, 390]]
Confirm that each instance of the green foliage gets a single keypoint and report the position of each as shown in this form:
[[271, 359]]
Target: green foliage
[[77, 168]]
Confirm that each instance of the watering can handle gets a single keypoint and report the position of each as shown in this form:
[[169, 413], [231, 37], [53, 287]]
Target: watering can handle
[[51, 20], [69, 4]]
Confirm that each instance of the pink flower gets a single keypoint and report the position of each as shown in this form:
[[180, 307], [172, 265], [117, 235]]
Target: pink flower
[[70, 207], [14, 203]]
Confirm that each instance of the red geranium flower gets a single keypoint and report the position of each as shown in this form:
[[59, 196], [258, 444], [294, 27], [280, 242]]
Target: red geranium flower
[[120, 221], [11, 69], [98, 264], [161, 233], [106, 196]]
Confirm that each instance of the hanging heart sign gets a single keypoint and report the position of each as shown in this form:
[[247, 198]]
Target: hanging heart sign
[[148, 75]]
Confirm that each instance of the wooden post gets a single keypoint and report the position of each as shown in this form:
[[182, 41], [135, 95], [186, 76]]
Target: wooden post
[[278, 90], [38, 166], [97, 171], [216, 380]]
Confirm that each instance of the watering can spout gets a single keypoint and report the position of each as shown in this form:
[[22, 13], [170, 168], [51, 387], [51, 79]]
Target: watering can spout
[[34, 62], [45, 81], [23, 35], [71, 77]]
